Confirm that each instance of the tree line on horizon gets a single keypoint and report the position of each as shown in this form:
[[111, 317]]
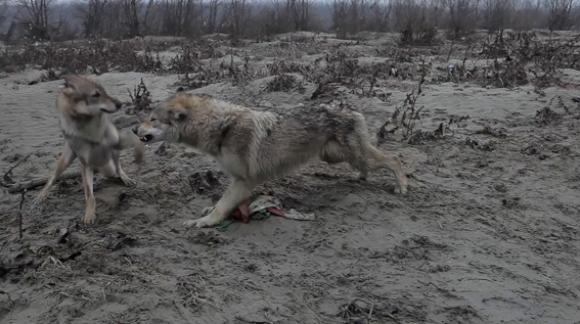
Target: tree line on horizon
[[416, 20]]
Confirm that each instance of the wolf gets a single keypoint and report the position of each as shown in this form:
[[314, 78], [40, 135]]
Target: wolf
[[83, 106], [255, 146]]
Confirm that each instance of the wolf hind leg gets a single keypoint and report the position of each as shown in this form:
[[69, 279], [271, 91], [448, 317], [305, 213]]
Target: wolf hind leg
[[64, 161]]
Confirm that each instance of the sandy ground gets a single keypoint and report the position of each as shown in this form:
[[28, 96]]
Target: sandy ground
[[489, 232]]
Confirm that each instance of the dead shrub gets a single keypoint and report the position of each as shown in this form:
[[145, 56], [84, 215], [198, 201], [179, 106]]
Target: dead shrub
[[200, 79], [515, 54], [279, 67], [418, 34], [284, 82], [140, 99], [506, 73], [404, 118], [549, 57], [206, 75], [186, 61]]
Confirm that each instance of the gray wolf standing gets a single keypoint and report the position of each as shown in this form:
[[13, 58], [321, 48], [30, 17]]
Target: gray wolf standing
[[83, 105]]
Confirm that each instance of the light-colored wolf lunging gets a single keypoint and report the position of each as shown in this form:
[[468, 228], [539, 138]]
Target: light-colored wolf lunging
[[253, 146]]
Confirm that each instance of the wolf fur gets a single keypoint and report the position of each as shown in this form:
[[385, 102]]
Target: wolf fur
[[254, 146], [83, 106]]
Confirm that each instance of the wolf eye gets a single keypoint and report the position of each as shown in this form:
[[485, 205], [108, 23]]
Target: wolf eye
[[96, 94]]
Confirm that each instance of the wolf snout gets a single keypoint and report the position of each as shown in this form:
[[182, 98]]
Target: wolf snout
[[135, 130]]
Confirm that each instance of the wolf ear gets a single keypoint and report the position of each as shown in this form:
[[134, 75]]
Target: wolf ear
[[69, 88], [69, 80]]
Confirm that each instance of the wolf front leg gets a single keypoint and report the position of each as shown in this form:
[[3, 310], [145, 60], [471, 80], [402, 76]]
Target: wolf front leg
[[238, 191], [379, 159]]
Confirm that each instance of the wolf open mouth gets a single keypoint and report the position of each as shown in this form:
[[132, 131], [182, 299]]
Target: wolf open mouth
[[146, 138]]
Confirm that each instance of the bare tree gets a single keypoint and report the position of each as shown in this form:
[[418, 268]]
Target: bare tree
[[63, 29], [298, 11], [271, 19], [559, 14], [497, 15], [528, 14], [131, 16], [3, 9], [379, 15], [235, 18], [36, 17], [576, 17], [339, 18], [211, 23], [348, 17], [357, 15], [93, 17], [147, 19], [416, 20], [461, 17], [180, 17]]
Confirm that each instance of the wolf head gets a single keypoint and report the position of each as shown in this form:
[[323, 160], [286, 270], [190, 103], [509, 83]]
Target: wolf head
[[87, 97], [172, 118]]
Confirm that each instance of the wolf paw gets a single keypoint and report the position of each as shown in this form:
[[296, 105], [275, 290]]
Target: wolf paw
[[199, 223], [128, 181], [38, 202], [89, 218], [209, 220], [401, 190]]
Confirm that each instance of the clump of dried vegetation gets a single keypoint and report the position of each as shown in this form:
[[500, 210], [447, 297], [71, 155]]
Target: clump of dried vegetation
[[522, 58], [87, 57], [140, 99], [205, 74], [403, 120], [511, 59], [284, 82], [514, 59], [187, 60]]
